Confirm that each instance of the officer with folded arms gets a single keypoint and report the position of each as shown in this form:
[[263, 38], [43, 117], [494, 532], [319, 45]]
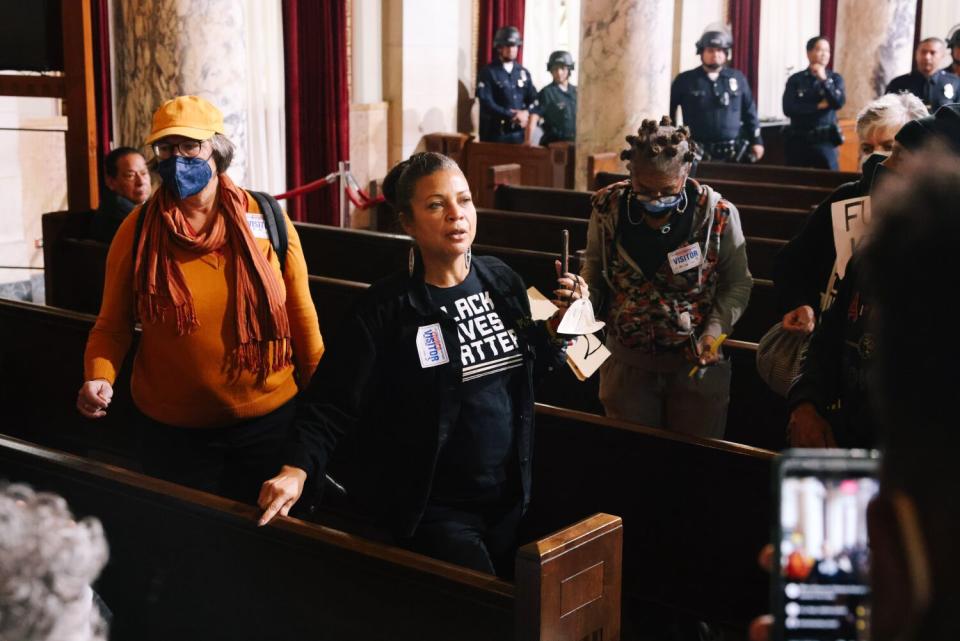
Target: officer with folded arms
[[505, 91], [717, 103], [811, 100]]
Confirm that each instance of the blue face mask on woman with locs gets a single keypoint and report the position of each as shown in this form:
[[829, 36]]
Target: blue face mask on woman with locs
[[184, 176], [660, 206]]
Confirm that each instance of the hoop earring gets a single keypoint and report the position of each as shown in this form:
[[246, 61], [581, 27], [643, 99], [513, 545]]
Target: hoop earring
[[411, 260], [468, 258]]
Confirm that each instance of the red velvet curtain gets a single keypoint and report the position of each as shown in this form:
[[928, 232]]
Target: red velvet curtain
[[493, 15], [828, 26], [103, 92], [916, 32], [317, 106], [745, 24]]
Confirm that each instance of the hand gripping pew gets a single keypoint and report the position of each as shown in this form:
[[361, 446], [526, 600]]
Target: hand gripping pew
[[186, 564]]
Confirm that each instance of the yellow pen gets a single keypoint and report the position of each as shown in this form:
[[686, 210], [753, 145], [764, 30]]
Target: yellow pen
[[713, 350]]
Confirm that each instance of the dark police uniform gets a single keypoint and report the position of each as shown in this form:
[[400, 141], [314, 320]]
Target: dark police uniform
[[942, 88], [499, 91], [721, 114], [558, 109], [811, 139]]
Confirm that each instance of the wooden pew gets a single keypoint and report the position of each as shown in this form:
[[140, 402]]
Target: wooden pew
[[715, 492], [741, 192], [539, 232], [758, 220], [609, 162], [185, 564], [546, 166]]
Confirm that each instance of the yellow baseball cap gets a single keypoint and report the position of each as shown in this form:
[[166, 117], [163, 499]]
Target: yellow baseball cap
[[189, 116]]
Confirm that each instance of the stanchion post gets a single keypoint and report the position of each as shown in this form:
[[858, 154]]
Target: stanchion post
[[344, 167]]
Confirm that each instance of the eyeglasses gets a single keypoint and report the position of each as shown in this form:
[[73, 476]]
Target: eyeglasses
[[187, 149]]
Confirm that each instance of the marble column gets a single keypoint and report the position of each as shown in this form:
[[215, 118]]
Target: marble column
[[624, 72], [166, 48], [874, 45]]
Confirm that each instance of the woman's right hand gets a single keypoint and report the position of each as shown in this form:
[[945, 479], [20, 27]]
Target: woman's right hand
[[801, 319], [94, 397], [281, 493]]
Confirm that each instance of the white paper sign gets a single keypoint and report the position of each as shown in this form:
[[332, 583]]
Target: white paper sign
[[430, 345], [541, 307], [586, 355], [850, 220], [685, 258]]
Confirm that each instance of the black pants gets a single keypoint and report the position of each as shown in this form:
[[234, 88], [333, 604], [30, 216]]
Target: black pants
[[231, 461], [800, 153], [480, 536]]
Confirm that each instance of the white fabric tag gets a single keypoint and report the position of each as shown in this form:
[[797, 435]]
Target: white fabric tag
[[541, 307], [685, 258], [586, 355], [257, 225], [579, 319], [430, 346], [850, 220]]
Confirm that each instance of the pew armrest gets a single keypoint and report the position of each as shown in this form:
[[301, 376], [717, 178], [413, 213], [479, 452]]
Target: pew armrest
[[607, 161], [496, 175], [568, 584]]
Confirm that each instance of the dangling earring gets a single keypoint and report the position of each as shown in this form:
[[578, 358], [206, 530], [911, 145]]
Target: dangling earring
[[411, 260], [468, 257]]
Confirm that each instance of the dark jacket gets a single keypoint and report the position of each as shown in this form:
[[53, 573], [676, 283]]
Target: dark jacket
[[942, 88], [802, 268], [370, 385], [113, 209], [558, 108], [834, 371], [804, 91], [716, 110], [499, 92]]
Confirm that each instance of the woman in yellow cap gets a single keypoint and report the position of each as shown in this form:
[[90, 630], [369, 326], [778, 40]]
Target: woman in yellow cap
[[228, 336]]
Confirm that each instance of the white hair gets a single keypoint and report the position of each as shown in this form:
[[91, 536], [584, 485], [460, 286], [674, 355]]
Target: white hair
[[890, 111], [47, 563]]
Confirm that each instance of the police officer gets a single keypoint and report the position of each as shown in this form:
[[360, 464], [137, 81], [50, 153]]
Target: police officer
[[506, 91], [811, 100], [557, 102], [717, 103], [953, 42], [935, 87]]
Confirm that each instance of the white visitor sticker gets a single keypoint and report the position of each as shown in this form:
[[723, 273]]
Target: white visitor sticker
[[258, 227], [685, 258], [430, 346]]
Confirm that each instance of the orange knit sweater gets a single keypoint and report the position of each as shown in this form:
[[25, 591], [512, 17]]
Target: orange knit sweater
[[186, 380]]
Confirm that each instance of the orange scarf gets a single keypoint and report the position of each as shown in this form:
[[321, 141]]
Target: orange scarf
[[263, 329]]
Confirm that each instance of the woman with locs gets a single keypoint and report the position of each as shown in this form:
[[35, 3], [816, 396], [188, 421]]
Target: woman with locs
[[667, 265], [432, 377]]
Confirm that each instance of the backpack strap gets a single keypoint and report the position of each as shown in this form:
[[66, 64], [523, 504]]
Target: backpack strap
[[275, 222]]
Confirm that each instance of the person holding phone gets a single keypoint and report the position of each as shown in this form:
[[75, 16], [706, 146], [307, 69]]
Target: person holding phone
[[433, 372], [666, 262]]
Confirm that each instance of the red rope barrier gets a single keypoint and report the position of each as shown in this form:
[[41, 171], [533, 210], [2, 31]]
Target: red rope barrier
[[310, 186], [357, 196]]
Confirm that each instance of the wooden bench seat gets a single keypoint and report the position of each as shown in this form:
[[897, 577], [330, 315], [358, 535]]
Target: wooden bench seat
[[579, 460], [185, 564]]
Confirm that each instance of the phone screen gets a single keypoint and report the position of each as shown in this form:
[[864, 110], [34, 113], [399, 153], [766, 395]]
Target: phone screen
[[821, 585]]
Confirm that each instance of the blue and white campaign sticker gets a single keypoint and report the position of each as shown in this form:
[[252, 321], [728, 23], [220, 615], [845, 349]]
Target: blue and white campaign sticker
[[685, 258], [258, 227], [430, 346]]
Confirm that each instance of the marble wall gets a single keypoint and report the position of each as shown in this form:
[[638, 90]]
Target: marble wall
[[420, 71], [166, 48], [368, 149], [874, 45], [625, 72]]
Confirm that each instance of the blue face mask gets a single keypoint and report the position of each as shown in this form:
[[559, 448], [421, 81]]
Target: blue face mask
[[661, 206], [184, 176]]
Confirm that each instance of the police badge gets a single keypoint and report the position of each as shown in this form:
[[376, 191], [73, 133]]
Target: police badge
[[948, 91], [733, 85]]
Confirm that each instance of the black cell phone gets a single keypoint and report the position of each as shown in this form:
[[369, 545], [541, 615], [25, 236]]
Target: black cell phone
[[564, 251], [820, 588]]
